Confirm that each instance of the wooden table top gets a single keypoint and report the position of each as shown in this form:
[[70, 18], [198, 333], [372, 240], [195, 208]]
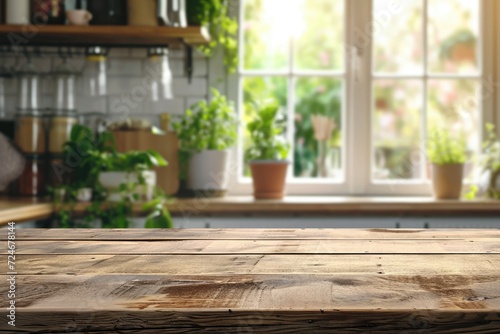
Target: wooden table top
[[258, 281]]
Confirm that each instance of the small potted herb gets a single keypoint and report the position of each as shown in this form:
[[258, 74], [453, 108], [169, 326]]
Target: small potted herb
[[267, 153], [447, 155], [207, 131], [129, 173]]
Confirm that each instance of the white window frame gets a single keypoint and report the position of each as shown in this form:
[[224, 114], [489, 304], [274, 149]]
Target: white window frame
[[357, 105]]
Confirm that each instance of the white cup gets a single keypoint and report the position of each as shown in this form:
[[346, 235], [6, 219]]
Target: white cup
[[78, 17]]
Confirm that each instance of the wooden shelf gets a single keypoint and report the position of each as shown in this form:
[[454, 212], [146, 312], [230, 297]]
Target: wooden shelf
[[118, 36]]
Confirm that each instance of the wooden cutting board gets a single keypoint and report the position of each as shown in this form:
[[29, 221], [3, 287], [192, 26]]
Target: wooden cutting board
[[167, 145]]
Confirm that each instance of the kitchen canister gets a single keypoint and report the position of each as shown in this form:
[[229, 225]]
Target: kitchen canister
[[30, 134], [59, 132], [142, 13], [32, 180], [17, 11]]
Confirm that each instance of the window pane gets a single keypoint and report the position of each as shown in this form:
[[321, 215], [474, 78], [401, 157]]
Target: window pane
[[455, 105], [320, 35], [398, 36], [266, 34], [453, 36], [258, 90], [396, 129], [318, 128]]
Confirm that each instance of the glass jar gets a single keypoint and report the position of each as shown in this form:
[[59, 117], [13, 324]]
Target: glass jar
[[59, 132], [30, 134], [28, 88], [157, 70], [65, 92], [95, 72], [32, 180]]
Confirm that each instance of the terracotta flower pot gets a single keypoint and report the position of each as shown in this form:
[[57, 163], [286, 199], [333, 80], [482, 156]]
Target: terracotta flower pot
[[447, 180], [269, 178]]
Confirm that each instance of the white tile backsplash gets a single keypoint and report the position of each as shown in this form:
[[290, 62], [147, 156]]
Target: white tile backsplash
[[87, 104], [126, 67], [175, 106], [182, 87], [119, 53], [125, 79]]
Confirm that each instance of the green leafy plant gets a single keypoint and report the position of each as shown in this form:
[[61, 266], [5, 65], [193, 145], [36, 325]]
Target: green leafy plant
[[489, 162], [490, 159], [90, 154], [266, 132], [443, 149], [208, 126], [82, 153], [223, 29], [133, 161]]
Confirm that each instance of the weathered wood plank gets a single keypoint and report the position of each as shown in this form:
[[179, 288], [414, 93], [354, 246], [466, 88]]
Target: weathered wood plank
[[198, 246], [249, 234], [254, 292], [407, 264], [322, 289], [262, 321]]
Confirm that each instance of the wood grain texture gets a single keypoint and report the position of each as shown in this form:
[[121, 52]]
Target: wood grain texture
[[408, 264], [214, 247], [325, 205], [23, 209], [266, 292], [265, 321], [261, 281], [54, 35], [252, 234], [276, 302]]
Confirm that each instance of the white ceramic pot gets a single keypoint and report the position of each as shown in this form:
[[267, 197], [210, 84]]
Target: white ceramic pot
[[111, 181], [84, 195], [209, 171]]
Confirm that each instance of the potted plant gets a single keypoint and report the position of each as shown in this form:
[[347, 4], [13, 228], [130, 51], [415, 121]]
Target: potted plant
[[447, 155], [223, 29], [126, 174], [79, 155], [267, 153], [206, 132], [117, 181]]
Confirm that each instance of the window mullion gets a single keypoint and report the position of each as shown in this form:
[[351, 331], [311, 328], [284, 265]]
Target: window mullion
[[291, 106], [358, 143], [423, 116]]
